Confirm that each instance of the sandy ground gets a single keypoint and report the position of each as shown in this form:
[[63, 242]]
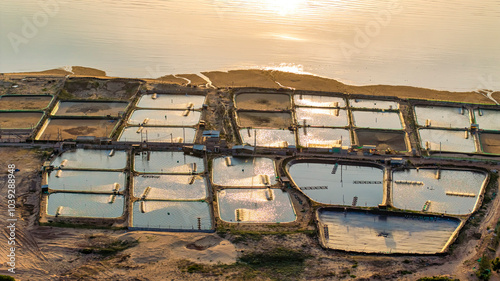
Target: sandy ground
[[490, 143], [24, 103], [264, 120], [90, 108], [263, 101], [172, 79], [195, 79], [72, 128], [496, 96], [268, 79], [242, 78], [382, 139], [90, 88], [19, 120]]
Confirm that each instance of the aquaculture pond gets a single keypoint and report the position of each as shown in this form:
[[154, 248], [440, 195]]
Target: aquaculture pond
[[323, 117], [447, 140], [318, 101], [171, 101], [339, 184], [171, 215], [438, 191], [85, 205], [488, 119], [442, 116], [164, 117], [373, 104], [243, 171], [323, 137], [86, 181], [377, 120], [158, 134], [175, 162], [260, 205], [91, 108], [170, 187], [387, 234], [91, 159], [268, 137]]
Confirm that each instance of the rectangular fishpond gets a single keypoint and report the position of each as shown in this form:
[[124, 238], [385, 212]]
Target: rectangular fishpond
[[263, 101], [447, 140], [339, 184], [85, 205], [383, 139], [174, 162], [387, 234], [488, 119], [158, 134], [445, 191], [377, 120], [91, 159], [490, 143], [171, 101], [373, 104], [62, 128], [323, 137], [24, 102], [243, 171], [170, 187], [19, 120], [85, 181], [92, 108], [323, 117], [318, 101], [272, 120], [268, 137], [442, 116], [171, 215], [164, 117], [261, 205]]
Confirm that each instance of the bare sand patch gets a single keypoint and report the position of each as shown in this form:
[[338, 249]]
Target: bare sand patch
[[242, 78]]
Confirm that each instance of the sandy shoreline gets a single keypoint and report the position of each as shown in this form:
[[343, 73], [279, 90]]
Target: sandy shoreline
[[273, 79]]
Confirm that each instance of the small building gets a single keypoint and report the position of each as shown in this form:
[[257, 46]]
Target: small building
[[243, 149]]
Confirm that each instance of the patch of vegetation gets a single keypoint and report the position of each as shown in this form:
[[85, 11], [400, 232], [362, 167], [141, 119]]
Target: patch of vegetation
[[82, 226], [6, 278], [65, 95], [245, 235], [279, 262], [438, 278], [110, 248], [484, 270], [275, 264]]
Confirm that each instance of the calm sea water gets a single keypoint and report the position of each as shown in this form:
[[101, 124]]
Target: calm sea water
[[440, 44]]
